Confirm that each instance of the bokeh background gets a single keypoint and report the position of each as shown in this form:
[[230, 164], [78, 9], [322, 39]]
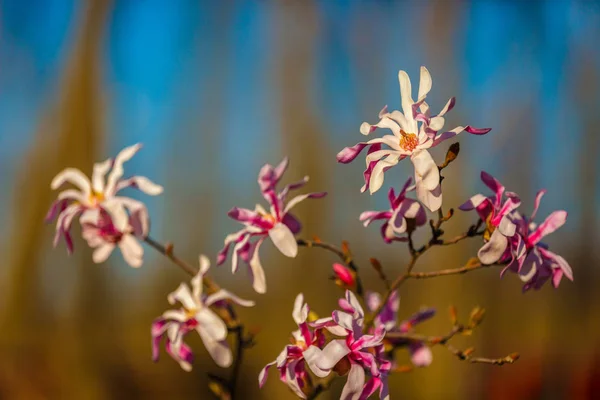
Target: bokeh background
[[215, 89]]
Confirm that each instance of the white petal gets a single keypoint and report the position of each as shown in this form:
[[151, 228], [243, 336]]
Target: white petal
[[425, 169], [144, 184], [132, 251], [74, 176], [284, 240], [73, 194], [312, 355], [182, 294], [211, 323], [507, 227], [196, 283], [117, 170], [227, 295], [100, 170], [332, 354], [218, 350], [425, 83], [175, 315], [377, 175], [530, 267], [259, 282], [430, 199], [300, 311], [101, 253], [491, 252], [407, 101], [354, 384]]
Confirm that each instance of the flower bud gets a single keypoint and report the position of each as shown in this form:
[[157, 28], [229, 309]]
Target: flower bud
[[344, 277]]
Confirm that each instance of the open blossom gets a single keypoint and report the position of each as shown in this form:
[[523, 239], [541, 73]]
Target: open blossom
[[414, 131], [104, 233], [291, 362], [496, 214], [354, 353], [533, 261], [99, 193], [420, 353], [403, 216], [278, 224], [195, 314]]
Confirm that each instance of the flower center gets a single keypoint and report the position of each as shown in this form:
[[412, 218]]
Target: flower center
[[269, 218], [95, 198], [408, 141], [489, 228]]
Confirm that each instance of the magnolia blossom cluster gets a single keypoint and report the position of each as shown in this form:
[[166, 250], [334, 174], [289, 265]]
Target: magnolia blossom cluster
[[514, 239], [195, 313], [414, 131], [107, 219], [277, 224], [343, 343]]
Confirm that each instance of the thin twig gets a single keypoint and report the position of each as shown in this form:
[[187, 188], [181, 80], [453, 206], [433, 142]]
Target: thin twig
[[451, 271]]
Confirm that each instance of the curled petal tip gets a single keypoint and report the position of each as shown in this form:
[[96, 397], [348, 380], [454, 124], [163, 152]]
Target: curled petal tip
[[477, 131]]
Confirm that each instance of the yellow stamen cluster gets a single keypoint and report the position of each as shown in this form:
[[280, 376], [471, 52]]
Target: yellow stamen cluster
[[408, 141], [96, 198]]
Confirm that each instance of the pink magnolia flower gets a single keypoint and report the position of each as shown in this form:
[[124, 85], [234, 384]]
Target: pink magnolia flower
[[278, 224], [403, 216], [533, 261], [291, 362], [354, 353], [409, 139], [420, 353], [98, 193], [195, 314], [104, 233], [497, 215], [343, 276]]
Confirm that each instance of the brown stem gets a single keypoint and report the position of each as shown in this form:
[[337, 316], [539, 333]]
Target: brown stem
[[450, 271]]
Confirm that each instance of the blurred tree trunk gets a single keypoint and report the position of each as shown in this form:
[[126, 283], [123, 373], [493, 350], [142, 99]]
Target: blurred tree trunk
[[67, 136]]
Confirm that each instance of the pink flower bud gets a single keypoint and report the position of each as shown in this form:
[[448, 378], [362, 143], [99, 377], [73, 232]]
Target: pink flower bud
[[343, 275]]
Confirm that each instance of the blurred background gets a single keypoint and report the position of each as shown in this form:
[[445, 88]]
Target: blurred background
[[215, 89]]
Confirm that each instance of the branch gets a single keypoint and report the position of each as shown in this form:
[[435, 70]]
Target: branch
[[470, 266]]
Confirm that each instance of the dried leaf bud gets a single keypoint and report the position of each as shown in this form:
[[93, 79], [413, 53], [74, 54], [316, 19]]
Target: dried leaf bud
[[453, 315], [452, 153]]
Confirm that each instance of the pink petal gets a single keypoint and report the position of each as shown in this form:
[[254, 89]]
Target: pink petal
[[477, 131], [420, 355], [552, 223], [536, 203], [494, 185], [348, 154]]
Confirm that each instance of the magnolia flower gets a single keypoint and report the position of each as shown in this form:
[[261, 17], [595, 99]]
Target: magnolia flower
[[278, 224], [403, 216], [104, 233], [409, 139], [195, 314], [98, 193], [534, 263], [420, 354], [496, 214], [343, 276], [353, 354], [291, 361]]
